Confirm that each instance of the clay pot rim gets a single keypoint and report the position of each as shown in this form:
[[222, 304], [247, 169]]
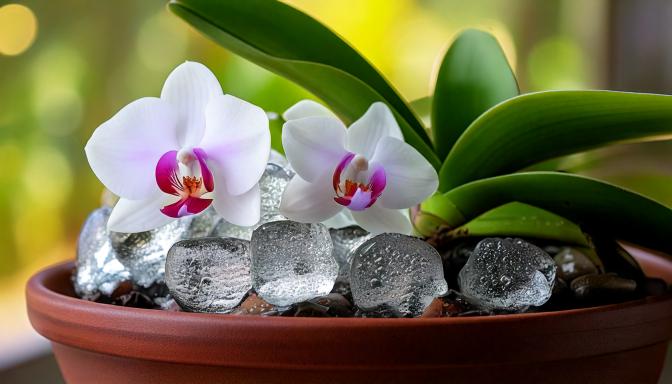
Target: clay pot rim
[[36, 288], [287, 342]]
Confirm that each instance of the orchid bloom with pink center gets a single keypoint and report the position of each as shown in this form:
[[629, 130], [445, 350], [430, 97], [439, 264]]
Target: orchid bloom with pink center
[[176, 155], [366, 172]]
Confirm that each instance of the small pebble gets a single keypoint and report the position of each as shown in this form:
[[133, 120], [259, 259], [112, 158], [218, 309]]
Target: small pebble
[[572, 263], [607, 288]]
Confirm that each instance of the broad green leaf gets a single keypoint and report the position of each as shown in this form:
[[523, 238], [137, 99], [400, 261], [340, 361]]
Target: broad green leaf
[[473, 76], [522, 220], [292, 44], [594, 205], [423, 109], [534, 127]]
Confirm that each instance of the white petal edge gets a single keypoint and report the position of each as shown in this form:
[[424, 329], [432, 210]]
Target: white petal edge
[[123, 151], [410, 178], [309, 202], [377, 220], [131, 216], [377, 123], [243, 209], [307, 108], [189, 88], [314, 145], [340, 220], [237, 142]]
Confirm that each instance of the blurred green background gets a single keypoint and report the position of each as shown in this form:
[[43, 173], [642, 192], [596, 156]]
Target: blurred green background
[[66, 66]]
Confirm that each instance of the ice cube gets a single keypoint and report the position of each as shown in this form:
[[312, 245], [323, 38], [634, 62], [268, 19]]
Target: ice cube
[[144, 253], [209, 274], [292, 262], [99, 271], [200, 225], [278, 158], [399, 273], [507, 274], [346, 240], [272, 185]]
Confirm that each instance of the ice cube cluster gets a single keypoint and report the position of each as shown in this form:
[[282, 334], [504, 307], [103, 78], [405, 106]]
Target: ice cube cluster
[[204, 264]]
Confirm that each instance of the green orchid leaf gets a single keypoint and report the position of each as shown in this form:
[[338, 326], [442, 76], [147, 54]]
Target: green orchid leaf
[[423, 109], [530, 128], [294, 45], [473, 76], [596, 206], [522, 220]]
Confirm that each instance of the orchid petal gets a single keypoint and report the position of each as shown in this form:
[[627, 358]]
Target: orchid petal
[[309, 202], [340, 220], [189, 88], [365, 133], [131, 216], [313, 145], [410, 178], [243, 209], [377, 219], [307, 108], [123, 151], [237, 142]]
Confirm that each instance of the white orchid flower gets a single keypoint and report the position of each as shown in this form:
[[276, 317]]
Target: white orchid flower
[[176, 155], [366, 170]]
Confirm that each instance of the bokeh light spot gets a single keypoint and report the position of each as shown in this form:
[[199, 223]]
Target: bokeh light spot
[[18, 28], [57, 75], [557, 63], [47, 176], [162, 42]]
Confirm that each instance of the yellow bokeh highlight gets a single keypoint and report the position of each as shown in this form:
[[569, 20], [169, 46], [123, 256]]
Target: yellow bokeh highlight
[[18, 29], [404, 40]]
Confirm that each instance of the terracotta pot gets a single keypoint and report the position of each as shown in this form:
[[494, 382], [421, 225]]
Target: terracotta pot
[[99, 343]]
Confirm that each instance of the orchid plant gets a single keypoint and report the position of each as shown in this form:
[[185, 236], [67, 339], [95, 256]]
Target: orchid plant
[[489, 144]]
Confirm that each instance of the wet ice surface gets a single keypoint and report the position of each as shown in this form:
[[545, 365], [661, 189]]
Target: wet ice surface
[[292, 262], [209, 274], [144, 253], [271, 185], [397, 274], [346, 241], [98, 272], [507, 274]]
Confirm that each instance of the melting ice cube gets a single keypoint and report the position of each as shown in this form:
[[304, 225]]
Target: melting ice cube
[[508, 274], [292, 262], [396, 272], [98, 271], [209, 274]]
